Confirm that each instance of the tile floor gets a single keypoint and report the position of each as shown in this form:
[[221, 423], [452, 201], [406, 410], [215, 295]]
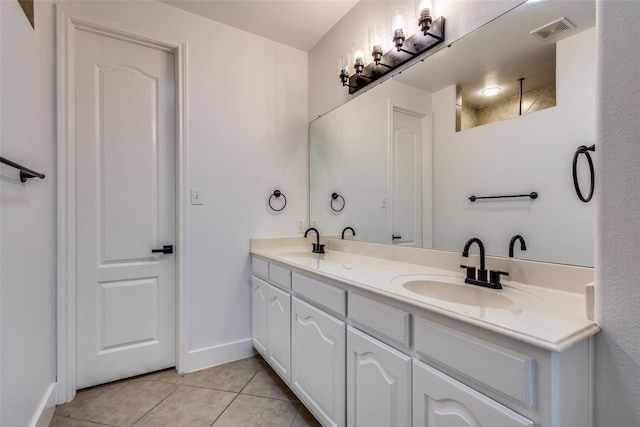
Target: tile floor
[[244, 393]]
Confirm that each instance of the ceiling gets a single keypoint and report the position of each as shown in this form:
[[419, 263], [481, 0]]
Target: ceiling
[[501, 52], [296, 23]]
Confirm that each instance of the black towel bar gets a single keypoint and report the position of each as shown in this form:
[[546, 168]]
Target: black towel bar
[[25, 173], [532, 195]]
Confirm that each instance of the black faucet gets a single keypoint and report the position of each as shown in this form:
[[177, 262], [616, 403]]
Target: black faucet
[[348, 228], [523, 246], [317, 247], [482, 272], [481, 280]]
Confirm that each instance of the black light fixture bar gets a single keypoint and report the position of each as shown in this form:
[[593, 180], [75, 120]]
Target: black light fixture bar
[[414, 46]]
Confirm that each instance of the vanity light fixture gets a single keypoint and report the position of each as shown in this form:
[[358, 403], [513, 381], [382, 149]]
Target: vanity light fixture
[[491, 91], [431, 34]]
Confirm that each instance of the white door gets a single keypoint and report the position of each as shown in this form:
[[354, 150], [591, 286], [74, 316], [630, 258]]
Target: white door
[[378, 383], [406, 179], [125, 208]]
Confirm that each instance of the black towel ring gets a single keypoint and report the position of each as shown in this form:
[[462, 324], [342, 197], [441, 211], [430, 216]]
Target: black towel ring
[[277, 194], [334, 197], [583, 149]]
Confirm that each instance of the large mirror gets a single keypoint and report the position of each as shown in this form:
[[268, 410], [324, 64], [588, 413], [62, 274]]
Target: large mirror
[[402, 172]]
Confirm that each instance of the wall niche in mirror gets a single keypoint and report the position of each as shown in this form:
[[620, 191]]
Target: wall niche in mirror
[[411, 187], [476, 107]]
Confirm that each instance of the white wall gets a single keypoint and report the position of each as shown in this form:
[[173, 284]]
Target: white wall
[[27, 215], [534, 152], [350, 151], [618, 215], [247, 118], [325, 90]]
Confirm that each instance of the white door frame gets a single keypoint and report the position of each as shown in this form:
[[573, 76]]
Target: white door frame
[[67, 24]]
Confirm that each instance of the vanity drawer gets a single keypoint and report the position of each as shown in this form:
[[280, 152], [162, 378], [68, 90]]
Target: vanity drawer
[[280, 276], [501, 369], [320, 294], [260, 268], [385, 322]]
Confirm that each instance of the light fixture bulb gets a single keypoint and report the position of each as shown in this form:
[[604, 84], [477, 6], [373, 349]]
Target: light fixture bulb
[[490, 91], [424, 7], [376, 47], [424, 16], [398, 26]]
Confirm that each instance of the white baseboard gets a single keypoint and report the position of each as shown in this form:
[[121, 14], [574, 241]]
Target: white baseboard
[[219, 354], [45, 410]]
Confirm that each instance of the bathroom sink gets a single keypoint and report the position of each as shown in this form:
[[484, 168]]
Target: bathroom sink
[[300, 254], [453, 289]]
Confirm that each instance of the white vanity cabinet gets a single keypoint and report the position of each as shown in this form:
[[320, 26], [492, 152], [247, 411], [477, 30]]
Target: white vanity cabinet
[[318, 362], [441, 401], [271, 316], [259, 316], [357, 358], [378, 383], [279, 331]]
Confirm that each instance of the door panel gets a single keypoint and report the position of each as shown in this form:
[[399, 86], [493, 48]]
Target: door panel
[[439, 400], [127, 233], [125, 193], [378, 383]]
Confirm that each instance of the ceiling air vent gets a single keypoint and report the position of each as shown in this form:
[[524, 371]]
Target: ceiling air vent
[[553, 29]]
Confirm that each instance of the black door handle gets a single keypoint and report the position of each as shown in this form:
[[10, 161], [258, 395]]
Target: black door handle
[[394, 237], [166, 249]]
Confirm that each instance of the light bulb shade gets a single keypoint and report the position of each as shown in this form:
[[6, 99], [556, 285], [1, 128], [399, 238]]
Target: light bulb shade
[[343, 64], [399, 25], [424, 12], [376, 37], [358, 55], [399, 19]]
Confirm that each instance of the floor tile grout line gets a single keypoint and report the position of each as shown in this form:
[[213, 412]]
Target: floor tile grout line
[[89, 421], [225, 409], [236, 396], [272, 397], [156, 405], [296, 417]]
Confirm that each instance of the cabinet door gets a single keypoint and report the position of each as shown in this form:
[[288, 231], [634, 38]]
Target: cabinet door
[[378, 383], [439, 400], [279, 332], [318, 362], [259, 306]]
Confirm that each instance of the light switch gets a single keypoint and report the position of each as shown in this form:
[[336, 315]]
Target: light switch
[[196, 196]]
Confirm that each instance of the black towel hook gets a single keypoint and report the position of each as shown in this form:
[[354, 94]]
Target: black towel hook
[[583, 149], [334, 197], [277, 194]]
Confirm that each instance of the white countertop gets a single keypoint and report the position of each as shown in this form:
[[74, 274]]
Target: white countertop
[[544, 317]]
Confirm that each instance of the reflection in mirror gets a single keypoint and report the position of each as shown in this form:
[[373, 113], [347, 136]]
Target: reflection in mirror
[[395, 155], [492, 108]]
